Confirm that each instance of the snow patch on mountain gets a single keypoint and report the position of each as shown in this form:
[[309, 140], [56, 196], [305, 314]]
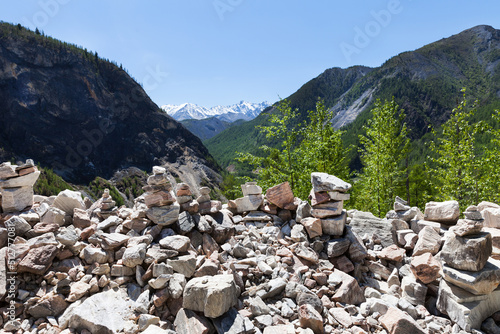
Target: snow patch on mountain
[[243, 110]]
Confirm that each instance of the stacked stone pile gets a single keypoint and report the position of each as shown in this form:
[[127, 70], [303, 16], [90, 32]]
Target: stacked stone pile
[[471, 276], [266, 264], [16, 185]]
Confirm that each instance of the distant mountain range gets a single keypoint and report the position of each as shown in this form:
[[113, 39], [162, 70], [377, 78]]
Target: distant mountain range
[[208, 122], [426, 83], [243, 110]]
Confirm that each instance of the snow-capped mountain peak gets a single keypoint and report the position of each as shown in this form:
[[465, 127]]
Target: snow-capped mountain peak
[[243, 110]]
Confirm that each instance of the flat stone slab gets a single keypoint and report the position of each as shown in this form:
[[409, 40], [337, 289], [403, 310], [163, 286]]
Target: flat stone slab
[[467, 310], [476, 282]]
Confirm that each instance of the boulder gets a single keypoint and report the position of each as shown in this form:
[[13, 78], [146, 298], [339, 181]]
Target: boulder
[[335, 225], [328, 209], [326, 182], [246, 203], [164, 215], [396, 321], [366, 223], [19, 225], [309, 317], [178, 243], [187, 322], [280, 195], [312, 226], [429, 241], [491, 217], [68, 200], [466, 227], [442, 212], [51, 304], [413, 291], [392, 253], [233, 323], [349, 291], [337, 247], [185, 264], [425, 267], [251, 188], [467, 253], [17, 199], [105, 312], [38, 260], [212, 295]]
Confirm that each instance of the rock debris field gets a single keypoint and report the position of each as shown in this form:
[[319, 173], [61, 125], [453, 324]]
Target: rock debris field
[[265, 263]]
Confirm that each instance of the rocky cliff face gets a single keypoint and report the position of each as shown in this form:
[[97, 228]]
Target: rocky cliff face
[[81, 115]]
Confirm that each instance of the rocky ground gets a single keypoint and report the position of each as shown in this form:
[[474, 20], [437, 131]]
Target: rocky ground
[[271, 264]]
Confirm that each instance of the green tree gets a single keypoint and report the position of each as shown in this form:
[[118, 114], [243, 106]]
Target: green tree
[[281, 163], [322, 149], [457, 163], [490, 165], [383, 151]]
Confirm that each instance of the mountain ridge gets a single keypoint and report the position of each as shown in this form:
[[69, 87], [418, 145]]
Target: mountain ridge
[[242, 110], [426, 83], [81, 115]]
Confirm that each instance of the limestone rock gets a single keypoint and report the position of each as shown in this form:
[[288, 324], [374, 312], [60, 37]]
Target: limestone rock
[[366, 223], [326, 182], [67, 200], [349, 291], [491, 217], [480, 282], [312, 226], [443, 212], [51, 304], [165, 215], [310, 318], [19, 225], [212, 295], [16, 199], [233, 323], [329, 209], [337, 247], [467, 253], [466, 227], [280, 195], [396, 321], [466, 309], [246, 203], [105, 312], [413, 291], [178, 243], [392, 253], [134, 256], [335, 225], [425, 267], [251, 188], [429, 241], [185, 264], [38, 260], [187, 322]]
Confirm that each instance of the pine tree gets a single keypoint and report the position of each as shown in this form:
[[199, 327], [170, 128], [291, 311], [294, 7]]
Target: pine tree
[[383, 151], [457, 164]]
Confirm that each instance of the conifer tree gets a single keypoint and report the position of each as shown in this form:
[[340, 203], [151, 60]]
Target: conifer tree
[[457, 164], [383, 151]]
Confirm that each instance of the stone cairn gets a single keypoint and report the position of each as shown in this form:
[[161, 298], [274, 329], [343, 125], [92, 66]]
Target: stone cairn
[[265, 263], [16, 185]]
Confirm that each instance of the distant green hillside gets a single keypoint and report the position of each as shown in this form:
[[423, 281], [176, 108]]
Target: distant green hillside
[[426, 83]]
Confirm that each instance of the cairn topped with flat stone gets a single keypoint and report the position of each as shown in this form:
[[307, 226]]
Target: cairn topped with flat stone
[[16, 185]]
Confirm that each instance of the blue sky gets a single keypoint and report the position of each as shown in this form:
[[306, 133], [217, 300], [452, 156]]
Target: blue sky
[[218, 52]]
